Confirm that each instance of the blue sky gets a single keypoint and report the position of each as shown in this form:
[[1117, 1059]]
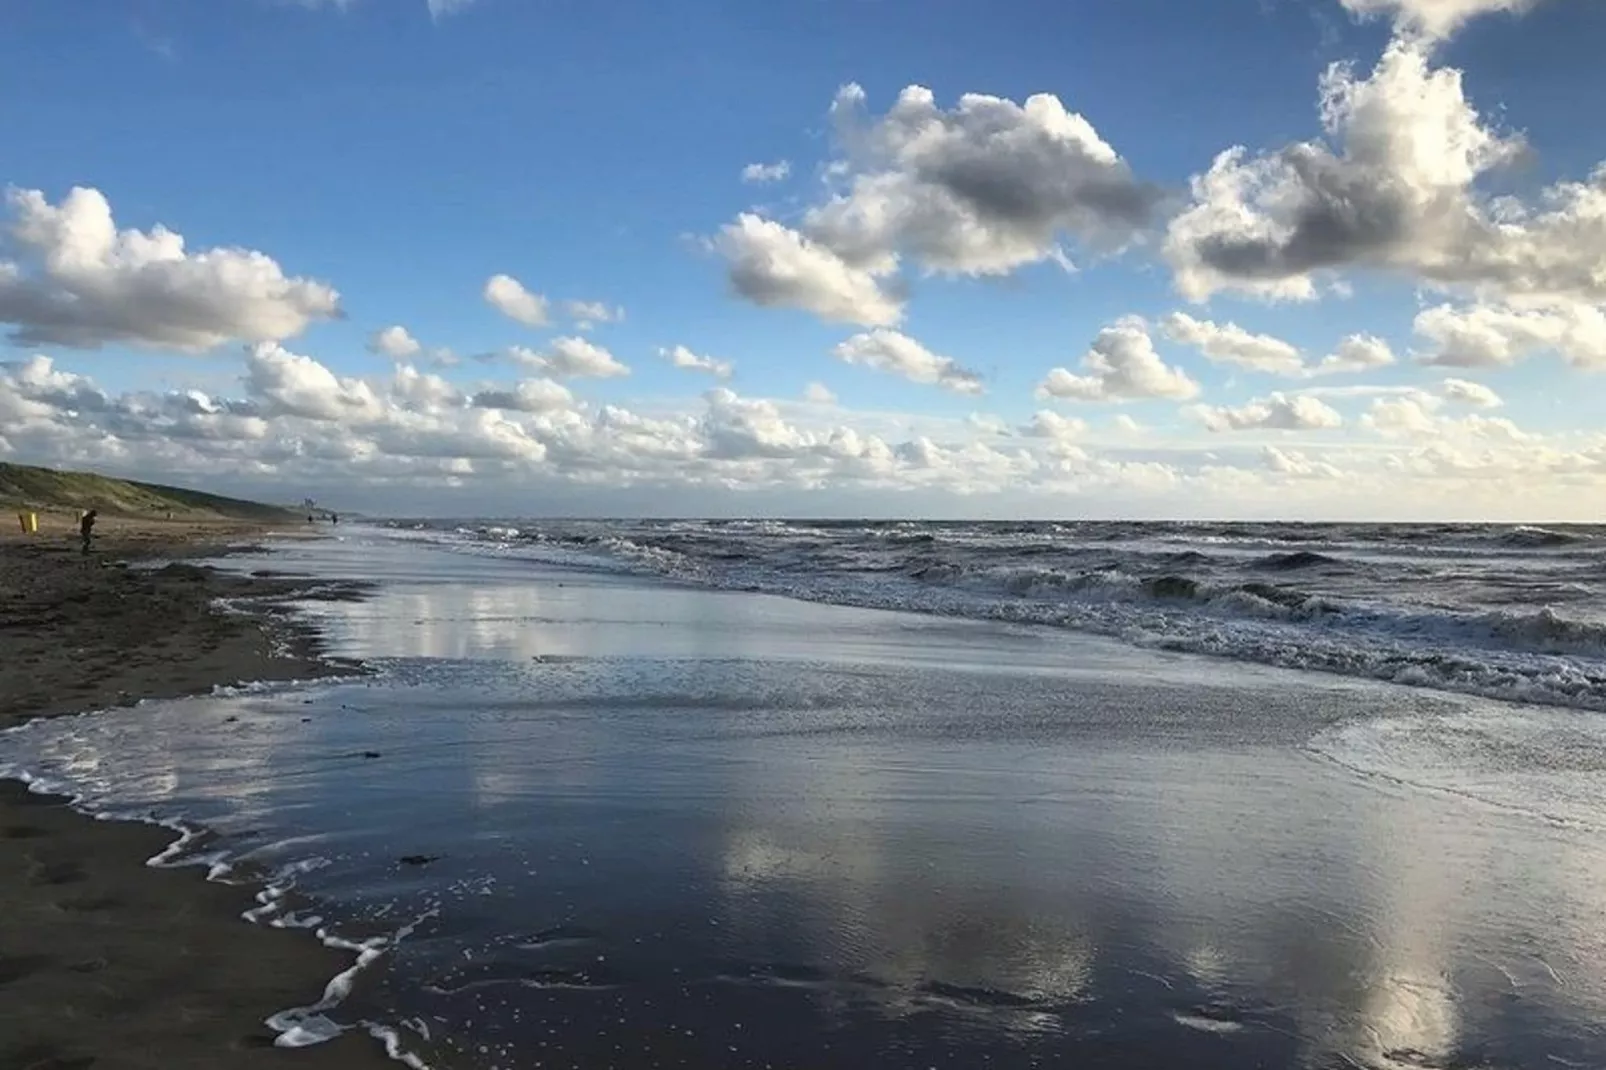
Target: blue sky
[[401, 157]]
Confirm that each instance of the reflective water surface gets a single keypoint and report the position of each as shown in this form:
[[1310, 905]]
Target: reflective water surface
[[647, 825]]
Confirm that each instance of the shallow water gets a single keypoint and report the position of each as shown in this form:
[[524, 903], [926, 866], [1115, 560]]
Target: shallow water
[[630, 824]]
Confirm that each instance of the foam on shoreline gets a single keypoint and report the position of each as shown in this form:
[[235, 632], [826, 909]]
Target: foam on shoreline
[[295, 1026]]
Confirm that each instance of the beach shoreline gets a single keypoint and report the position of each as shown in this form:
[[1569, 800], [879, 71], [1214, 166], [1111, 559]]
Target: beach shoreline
[[644, 823], [104, 960]]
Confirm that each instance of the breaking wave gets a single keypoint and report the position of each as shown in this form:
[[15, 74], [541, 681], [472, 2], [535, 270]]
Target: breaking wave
[[1375, 601]]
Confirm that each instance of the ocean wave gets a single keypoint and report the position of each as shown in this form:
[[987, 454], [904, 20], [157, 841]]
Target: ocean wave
[[1391, 614], [1286, 562], [1540, 538], [1542, 631]]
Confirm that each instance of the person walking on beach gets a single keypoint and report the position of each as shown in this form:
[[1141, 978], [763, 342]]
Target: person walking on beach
[[86, 528]]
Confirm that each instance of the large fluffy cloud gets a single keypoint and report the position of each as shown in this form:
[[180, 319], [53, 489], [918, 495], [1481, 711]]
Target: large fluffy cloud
[[775, 266], [1489, 336], [980, 189], [80, 281], [289, 384], [983, 188], [889, 351], [1121, 365], [39, 388], [1396, 190]]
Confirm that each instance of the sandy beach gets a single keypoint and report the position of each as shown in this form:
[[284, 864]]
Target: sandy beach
[[104, 961]]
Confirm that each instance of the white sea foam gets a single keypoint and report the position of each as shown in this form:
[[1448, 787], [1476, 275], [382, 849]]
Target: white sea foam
[[301, 1026], [1539, 762], [296, 1027]]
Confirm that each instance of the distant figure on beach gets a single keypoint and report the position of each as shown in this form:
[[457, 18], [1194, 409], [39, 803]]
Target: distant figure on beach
[[86, 528], [334, 518]]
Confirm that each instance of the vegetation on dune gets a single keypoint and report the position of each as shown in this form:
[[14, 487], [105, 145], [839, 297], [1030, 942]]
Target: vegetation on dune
[[26, 487]]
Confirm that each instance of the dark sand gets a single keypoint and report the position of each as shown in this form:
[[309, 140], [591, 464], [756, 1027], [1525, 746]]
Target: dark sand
[[105, 962]]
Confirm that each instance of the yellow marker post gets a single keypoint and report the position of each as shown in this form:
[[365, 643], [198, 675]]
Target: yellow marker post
[[29, 522]]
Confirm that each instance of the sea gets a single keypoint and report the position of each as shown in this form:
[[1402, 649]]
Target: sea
[[1513, 612], [792, 795]]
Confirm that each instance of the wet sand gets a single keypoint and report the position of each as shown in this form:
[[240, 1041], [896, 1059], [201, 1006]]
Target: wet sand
[[104, 961]]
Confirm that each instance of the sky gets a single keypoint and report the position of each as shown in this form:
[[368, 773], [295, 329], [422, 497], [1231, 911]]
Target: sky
[[1271, 259]]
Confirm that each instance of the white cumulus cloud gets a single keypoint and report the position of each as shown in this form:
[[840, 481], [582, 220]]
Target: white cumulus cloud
[[289, 384], [1060, 432], [1470, 393], [571, 358], [79, 281], [587, 314], [1419, 415], [1494, 336], [508, 296], [1275, 412], [1121, 365], [982, 188], [1409, 415], [681, 357], [772, 265], [1356, 353], [527, 395], [889, 351], [1395, 189], [1231, 344], [1297, 465], [394, 342]]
